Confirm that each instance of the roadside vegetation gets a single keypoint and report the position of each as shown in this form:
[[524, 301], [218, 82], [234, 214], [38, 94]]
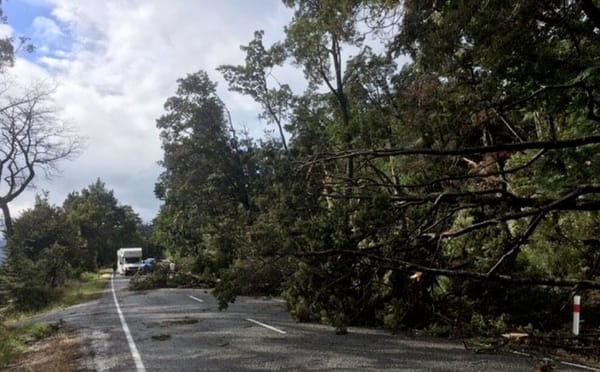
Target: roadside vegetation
[[52, 249], [57, 257], [162, 277], [18, 334], [16, 338], [59, 350]]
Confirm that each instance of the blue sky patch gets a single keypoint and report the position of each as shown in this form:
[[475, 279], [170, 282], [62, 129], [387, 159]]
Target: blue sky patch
[[27, 19]]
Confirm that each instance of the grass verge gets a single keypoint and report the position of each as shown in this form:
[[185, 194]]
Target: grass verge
[[20, 338], [15, 340], [58, 351], [89, 287]]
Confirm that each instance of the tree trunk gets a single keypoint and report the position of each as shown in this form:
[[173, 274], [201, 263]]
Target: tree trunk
[[7, 219]]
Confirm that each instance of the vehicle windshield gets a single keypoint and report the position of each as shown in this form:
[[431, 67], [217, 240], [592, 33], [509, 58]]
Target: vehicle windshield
[[132, 260]]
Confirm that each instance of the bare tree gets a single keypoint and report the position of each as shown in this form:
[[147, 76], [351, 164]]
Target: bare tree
[[32, 140]]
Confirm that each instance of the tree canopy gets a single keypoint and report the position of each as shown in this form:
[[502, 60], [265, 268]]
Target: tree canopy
[[104, 224], [442, 153], [33, 140]]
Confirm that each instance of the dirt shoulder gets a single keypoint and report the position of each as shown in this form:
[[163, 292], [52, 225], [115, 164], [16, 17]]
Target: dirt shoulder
[[61, 351], [556, 349]]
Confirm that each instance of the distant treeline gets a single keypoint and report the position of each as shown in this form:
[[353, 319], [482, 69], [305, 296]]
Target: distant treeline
[[51, 244]]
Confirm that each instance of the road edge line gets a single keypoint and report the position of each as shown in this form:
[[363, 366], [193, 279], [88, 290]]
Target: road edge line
[[577, 365], [132, 348], [267, 326]]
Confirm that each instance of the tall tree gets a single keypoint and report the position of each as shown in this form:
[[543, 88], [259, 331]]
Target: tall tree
[[32, 140], [252, 79], [204, 181], [103, 223], [315, 39], [41, 227], [44, 251]]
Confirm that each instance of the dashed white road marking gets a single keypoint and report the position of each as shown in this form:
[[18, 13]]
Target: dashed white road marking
[[196, 299], [132, 348], [267, 326]]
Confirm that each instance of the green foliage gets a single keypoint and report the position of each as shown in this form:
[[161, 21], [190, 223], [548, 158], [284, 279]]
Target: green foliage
[[50, 247], [155, 279], [86, 286], [54, 265], [103, 224], [18, 335], [248, 277], [42, 251], [485, 325], [252, 80], [40, 232], [205, 176], [400, 182], [393, 315], [31, 296], [15, 339], [162, 277]]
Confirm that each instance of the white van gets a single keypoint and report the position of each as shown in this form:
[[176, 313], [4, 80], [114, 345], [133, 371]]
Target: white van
[[129, 260]]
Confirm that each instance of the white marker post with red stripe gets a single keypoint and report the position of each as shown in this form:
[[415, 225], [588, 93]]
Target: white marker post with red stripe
[[576, 311]]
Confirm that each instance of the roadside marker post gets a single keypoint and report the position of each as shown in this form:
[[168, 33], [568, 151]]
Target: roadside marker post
[[171, 270], [576, 312]]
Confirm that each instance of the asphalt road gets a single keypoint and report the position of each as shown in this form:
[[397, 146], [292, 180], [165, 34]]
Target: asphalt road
[[183, 330]]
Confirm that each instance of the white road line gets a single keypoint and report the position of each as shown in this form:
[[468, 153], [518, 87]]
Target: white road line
[[134, 351], [196, 298], [267, 326], [579, 366]]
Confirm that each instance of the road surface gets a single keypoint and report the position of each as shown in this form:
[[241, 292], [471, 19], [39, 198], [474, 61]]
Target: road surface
[[183, 330]]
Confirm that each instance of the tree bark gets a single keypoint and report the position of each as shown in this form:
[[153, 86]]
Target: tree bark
[[591, 11], [397, 264], [511, 147], [7, 218]]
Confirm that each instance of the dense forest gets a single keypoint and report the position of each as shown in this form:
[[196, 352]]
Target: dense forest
[[439, 171]]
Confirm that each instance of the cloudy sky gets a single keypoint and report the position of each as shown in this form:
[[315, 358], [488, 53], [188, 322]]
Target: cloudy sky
[[115, 63]]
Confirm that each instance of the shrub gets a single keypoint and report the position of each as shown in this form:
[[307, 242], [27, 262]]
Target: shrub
[[393, 315], [155, 279], [162, 277], [8, 347], [248, 277], [301, 311], [30, 296]]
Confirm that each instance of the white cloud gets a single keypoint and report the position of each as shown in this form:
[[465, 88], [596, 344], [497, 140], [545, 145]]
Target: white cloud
[[121, 62], [27, 72], [5, 31], [46, 28], [52, 63]]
